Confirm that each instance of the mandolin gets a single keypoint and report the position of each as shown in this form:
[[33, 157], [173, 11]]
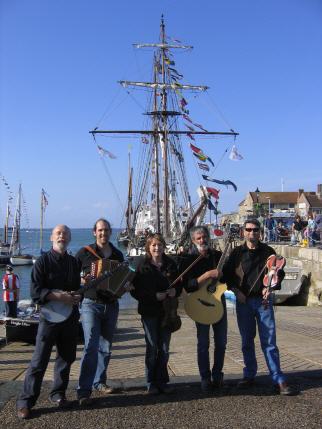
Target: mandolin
[[204, 305]]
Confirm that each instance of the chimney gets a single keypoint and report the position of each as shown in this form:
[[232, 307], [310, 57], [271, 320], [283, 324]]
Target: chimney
[[319, 191], [300, 192]]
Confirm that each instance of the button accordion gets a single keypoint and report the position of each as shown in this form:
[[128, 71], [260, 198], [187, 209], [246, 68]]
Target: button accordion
[[116, 274]]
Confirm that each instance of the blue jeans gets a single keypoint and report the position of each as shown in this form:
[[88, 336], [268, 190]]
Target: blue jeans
[[220, 341], [247, 316], [64, 336], [157, 341], [99, 323]]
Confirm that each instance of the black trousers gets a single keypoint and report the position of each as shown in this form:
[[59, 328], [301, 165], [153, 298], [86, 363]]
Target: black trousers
[[64, 336], [11, 308]]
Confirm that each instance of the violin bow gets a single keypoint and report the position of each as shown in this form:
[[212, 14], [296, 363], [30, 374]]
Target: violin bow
[[185, 271]]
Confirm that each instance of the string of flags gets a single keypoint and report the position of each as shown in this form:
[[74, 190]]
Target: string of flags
[[197, 152], [234, 155], [44, 200], [213, 192], [204, 167], [220, 182], [103, 152], [6, 185]]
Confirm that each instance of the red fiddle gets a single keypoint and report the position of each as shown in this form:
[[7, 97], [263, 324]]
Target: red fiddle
[[274, 264]]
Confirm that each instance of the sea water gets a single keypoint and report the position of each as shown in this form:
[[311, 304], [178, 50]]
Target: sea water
[[30, 244]]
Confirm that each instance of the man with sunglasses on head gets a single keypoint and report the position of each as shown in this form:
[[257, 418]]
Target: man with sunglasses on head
[[244, 273]]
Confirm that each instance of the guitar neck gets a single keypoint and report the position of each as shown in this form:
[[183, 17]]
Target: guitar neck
[[223, 255]]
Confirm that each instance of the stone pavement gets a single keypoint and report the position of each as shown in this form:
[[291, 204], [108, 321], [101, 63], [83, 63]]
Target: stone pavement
[[299, 338]]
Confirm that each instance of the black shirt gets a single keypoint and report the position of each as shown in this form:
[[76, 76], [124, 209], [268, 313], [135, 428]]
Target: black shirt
[[149, 280], [85, 259], [207, 263], [251, 262], [53, 271]]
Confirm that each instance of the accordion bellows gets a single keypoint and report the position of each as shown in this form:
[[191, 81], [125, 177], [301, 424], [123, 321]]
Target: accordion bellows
[[120, 272]]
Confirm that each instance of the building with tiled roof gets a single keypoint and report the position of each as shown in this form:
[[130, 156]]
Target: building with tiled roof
[[261, 203]]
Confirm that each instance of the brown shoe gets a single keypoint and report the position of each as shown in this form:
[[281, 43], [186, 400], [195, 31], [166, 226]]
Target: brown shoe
[[23, 413], [285, 390]]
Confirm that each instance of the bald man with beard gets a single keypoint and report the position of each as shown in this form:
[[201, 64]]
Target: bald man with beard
[[53, 279]]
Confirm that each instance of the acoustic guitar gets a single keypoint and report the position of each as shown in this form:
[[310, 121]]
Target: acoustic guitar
[[204, 305]]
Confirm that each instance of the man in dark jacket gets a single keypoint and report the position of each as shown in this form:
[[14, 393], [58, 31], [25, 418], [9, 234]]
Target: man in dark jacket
[[54, 276], [99, 311], [204, 270], [244, 273]]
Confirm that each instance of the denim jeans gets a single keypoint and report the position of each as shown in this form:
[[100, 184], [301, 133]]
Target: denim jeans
[[247, 316], [99, 323], [220, 341], [64, 336], [157, 341]]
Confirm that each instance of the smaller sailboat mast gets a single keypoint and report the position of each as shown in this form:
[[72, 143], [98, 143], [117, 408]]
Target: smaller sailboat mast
[[43, 205], [15, 244], [6, 225]]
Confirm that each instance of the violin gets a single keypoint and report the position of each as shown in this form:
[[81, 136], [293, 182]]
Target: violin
[[274, 265]]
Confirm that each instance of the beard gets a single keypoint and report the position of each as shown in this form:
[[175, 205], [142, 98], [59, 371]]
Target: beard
[[61, 246], [202, 247]]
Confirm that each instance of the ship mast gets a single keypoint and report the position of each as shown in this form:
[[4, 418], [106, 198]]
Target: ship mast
[[164, 147], [163, 135]]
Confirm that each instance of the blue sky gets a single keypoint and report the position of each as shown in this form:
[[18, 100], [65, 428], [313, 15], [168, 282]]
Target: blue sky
[[59, 66]]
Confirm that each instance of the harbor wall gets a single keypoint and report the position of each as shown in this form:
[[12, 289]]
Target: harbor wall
[[310, 261]]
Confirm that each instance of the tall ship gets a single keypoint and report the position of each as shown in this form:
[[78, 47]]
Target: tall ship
[[159, 198]]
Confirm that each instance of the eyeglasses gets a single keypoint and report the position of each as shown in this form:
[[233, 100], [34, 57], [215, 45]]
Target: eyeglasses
[[252, 229]]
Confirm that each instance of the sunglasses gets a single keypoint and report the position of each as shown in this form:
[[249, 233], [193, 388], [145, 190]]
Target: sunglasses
[[252, 229]]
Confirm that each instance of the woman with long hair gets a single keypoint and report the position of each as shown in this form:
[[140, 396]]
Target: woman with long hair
[[151, 289]]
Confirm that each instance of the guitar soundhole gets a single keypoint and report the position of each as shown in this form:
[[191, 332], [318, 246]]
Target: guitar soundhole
[[206, 303]]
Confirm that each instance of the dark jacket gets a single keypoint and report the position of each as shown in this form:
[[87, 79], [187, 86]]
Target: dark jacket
[[208, 263], [149, 280], [85, 259], [243, 267], [53, 271]]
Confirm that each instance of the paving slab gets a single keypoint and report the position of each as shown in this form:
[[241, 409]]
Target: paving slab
[[299, 340]]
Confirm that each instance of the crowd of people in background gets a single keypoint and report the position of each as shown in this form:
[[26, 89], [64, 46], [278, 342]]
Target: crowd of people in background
[[305, 231]]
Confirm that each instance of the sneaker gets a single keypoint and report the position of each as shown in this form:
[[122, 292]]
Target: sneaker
[[206, 386], [245, 383], [61, 402], [84, 402], [284, 389], [104, 388], [152, 390]]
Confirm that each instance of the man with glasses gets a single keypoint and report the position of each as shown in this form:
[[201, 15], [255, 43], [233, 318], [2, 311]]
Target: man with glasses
[[244, 273]]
